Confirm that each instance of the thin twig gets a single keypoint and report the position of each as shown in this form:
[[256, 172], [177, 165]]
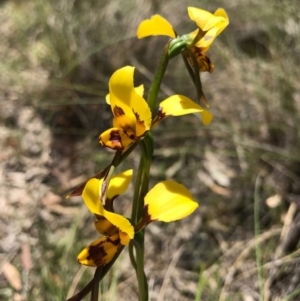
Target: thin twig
[[80, 295], [76, 280], [240, 259], [95, 288], [256, 231], [169, 272]]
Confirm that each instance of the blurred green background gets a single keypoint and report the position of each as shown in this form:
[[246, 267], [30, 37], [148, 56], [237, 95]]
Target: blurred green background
[[244, 169]]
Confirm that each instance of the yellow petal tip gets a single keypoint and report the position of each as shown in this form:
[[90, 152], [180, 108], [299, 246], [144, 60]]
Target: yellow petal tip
[[155, 26]]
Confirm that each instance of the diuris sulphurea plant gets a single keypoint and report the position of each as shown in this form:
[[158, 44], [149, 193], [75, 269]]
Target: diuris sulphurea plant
[[133, 118]]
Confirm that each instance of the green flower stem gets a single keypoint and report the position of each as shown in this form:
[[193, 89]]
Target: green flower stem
[[158, 77], [131, 255], [147, 148], [141, 188], [144, 184], [142, 281], [133, 262], [144, 189], [142, 179], [95, 288], [135, 204]]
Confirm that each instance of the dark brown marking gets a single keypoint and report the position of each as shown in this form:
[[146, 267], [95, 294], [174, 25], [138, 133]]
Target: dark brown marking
[[160, 114], [109, 204], [159, 117], [146, 216], [118, 111], [204, 63], [138, 119], [128, 129], [97, 253], [111, 230], [130, 136], [115, 139]]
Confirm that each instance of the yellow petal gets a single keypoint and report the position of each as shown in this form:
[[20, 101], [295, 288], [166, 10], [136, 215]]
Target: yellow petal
[[139, 90], [156, 26], [104, 226], [224, 20], [120, 222], [124, 238], [204, 19], [100, 252], [142, 114], [125, 100], [119, 183], [169, 201], [92, 189], [220, 12], [120, 90], [124, 122], [210, 36], [115, 139], [178, 105], [91, 196], [207, 40], [107, 99], [221, 22]]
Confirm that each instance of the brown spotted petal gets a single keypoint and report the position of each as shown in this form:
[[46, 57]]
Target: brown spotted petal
[[101, 251], [116, 139], [204, 63], [178, 105], [104, 226]]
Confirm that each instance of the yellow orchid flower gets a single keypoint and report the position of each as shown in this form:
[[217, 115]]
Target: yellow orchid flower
[[209, 27], [117, 230], [132, 115], [167, 201]]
